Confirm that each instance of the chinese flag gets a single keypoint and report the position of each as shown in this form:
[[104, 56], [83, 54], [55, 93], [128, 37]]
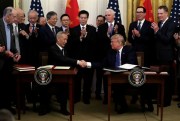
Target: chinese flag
[[149, 13], [72, 9]]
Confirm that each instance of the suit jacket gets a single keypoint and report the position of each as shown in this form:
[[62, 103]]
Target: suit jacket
[[84, 49], [69, 44], [165, 42], [144, 43], [146, 38], [56, 57], [103, 41], [47, 37], [5, 61], [128, 55]]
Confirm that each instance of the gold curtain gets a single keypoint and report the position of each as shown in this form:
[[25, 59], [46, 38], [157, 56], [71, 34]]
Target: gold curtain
[[132, 4], [17, 4]]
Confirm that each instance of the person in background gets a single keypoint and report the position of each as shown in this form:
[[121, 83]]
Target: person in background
[[8, 57], [49, 31], [100, 19], [141, 36], [177, 41], [65, 21], [21, 15], [164, 43], [84, 42], [42, 21]]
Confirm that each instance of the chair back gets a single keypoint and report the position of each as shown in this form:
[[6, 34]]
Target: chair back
[[140, 58], [43, 58]]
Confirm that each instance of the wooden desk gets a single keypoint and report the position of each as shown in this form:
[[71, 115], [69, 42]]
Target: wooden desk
[[151, 78], [58, 76]]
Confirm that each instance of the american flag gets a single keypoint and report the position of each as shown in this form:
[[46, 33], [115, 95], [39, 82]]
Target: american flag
[[113, 4], [175, 11], [36, 5]]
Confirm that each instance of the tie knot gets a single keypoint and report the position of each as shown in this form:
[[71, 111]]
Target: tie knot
[[83, 27]]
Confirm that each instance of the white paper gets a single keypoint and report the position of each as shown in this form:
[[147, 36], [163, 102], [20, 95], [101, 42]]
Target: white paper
[[128, 66], [46, 67], [62, 67]]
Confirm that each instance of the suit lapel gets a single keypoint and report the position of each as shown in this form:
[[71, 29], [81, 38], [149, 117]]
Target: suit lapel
[[2, 30]]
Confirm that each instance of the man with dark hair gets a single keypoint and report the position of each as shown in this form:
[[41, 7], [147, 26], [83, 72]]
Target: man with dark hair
[[84, 38], [65, 21], [164, 42], [100, 19], [141, 36]]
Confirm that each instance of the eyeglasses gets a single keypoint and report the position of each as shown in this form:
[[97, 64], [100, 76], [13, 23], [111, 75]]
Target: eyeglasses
[[139, 12]]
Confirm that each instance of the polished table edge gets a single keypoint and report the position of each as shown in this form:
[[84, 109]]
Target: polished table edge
[[68, 73]]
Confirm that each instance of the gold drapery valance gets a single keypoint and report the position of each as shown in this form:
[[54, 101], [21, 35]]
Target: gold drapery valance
[[132, 4]]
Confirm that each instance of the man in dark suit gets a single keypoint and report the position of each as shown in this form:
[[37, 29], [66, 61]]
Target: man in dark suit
[[84, 38], [126, 55], [58, 56], [49, 31], [65, 21], [8, 56], [164, 43], [141, 36], [100, 19], [30, 39], [105, 31], [177, 39]]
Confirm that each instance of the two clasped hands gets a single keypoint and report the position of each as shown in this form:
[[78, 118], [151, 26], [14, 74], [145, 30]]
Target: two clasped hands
[[82, 63]]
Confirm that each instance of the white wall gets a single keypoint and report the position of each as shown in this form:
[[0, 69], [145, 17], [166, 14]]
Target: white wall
[[94, 7]]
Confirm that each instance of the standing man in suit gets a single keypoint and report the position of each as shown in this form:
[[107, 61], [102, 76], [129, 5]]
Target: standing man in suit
[[49, 31], [8, 56], [119, 54], [65, 21], [177, 40], [84, 38], [30, 36], [100, 19], [141, 36], [105, 31], [164, 43]]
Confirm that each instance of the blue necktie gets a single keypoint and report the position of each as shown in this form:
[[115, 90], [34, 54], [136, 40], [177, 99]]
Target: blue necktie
[[118, 60], [139, 26]]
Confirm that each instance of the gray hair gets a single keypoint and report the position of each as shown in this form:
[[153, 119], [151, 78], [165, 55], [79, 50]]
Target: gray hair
[[110, 10], [59, 34], [33, 11], [7, 11], [6, 115]]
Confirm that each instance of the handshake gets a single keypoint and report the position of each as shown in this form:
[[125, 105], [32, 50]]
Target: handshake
[[82, 63]]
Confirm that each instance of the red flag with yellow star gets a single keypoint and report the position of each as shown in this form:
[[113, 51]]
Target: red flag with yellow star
[[149, 13], [72, 9]]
